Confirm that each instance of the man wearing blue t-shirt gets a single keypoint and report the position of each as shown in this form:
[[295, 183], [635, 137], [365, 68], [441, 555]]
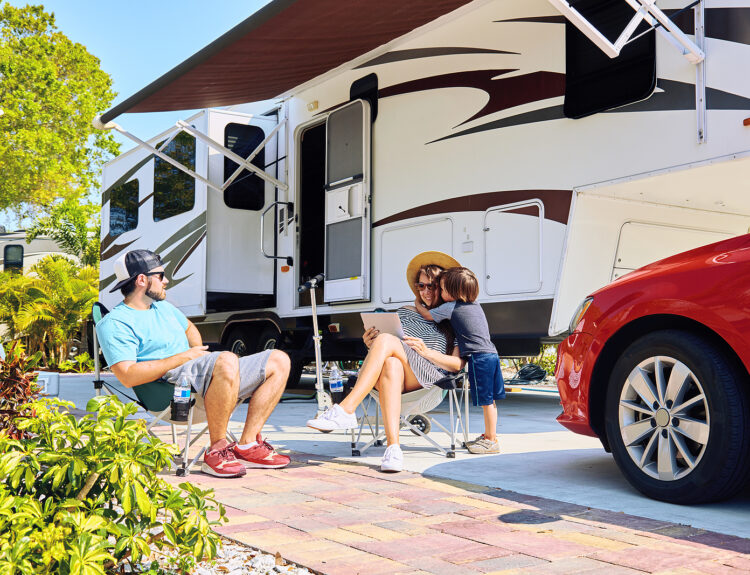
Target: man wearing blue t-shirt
[[146, 338]]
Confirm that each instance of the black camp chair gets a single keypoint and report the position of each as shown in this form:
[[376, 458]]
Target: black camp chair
[[156, 397]]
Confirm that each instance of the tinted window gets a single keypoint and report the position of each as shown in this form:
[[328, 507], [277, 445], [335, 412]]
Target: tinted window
[[123, 208], [594, 82], [174, 190], [13, 258], [248, 191]]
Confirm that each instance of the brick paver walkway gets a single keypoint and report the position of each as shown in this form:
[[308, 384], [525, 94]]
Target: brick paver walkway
[[348, 519]]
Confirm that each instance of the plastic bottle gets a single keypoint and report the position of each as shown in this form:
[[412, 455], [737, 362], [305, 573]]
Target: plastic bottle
[[336, 383], [181, 400]]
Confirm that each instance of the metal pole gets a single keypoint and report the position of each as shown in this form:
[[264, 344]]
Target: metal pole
[[324, 400]]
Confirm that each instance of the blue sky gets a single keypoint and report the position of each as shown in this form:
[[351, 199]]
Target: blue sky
[[137, 41]]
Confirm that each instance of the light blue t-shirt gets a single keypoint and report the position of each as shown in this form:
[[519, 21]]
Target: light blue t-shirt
[[127, 334]]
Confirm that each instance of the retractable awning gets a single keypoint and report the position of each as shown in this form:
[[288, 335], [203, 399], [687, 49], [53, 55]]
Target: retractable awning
[[283, 45]]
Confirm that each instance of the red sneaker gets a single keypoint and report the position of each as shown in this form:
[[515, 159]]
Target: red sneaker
[[261, 455], [223, 463]]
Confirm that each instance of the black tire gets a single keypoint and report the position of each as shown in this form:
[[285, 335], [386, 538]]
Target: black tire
[[268, 339], [240, 342], [694, 449]]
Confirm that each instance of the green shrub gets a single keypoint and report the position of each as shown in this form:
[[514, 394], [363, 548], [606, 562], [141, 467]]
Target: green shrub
[[82, 496]]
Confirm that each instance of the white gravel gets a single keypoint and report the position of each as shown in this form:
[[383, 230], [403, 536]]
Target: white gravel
[[236, 559]]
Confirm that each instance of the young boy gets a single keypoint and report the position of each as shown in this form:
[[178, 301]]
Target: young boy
[[460, 289]]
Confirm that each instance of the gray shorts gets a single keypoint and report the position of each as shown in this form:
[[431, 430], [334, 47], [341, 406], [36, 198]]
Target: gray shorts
[[200, 370]]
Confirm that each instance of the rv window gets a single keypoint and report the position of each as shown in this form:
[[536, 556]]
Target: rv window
[[594, 82], [123, 208], [13, 258], [248, 191], [174, 190], [344, 158]]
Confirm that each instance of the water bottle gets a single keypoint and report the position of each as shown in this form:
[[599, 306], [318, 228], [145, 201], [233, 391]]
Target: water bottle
[[181, 400], [336, 383]]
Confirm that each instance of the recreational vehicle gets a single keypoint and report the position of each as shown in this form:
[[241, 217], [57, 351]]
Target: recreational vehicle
[[550, 146], [19, 256]]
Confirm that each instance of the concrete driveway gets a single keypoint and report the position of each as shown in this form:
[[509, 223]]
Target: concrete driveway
[[539, 457]]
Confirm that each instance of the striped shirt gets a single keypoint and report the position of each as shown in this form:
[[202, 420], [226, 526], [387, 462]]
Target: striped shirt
[[414, 325]]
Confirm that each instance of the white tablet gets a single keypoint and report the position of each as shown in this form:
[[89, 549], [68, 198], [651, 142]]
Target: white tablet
[[384, 323]]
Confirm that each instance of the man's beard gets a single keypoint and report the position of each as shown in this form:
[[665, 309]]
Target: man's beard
[[156, 296]]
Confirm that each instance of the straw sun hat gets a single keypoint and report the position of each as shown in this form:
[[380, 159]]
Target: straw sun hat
[[426, 259]]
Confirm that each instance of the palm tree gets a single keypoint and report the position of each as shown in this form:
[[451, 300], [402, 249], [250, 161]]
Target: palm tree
[[59, 301]]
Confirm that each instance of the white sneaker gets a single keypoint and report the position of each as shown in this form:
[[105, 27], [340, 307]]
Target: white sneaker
[[393, 459], [333, 418]]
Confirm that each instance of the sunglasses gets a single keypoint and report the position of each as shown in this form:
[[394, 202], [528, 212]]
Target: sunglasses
[[160, 275], [422, 286]]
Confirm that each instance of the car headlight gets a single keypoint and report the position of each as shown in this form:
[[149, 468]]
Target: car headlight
[[578, 315]]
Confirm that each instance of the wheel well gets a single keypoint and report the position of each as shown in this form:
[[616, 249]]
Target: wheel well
[[254, 326], [617, 344]]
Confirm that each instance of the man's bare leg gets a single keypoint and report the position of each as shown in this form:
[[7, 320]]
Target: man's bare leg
[[221, 397], [385, 346], [267, 396]]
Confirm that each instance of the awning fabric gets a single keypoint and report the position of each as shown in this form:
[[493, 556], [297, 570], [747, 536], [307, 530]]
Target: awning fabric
[[283, 45]]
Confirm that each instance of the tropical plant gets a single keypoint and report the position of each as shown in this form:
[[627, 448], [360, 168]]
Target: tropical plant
[[82, 496], [17, 387], [81, 363], [14, 294], [53, 307], [50, 89], [74, 225]]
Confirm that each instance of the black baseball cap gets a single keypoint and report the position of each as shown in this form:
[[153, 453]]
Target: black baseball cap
[[132, 264]]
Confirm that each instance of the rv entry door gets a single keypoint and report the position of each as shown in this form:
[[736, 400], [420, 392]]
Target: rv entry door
[[238, 275], [347, 204]]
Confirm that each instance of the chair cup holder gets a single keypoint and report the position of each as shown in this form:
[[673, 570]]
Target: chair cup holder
[[180, 411]]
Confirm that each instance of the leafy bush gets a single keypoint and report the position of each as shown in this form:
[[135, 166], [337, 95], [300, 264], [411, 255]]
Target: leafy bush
[[17, 387], [82, 497], [82, 363]]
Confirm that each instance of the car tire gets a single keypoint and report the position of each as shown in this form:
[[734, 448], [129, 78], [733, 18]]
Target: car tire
[[683, 437]]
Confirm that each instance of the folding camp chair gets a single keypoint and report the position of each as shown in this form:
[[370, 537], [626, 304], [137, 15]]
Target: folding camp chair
[[415, 408], [155, 397]]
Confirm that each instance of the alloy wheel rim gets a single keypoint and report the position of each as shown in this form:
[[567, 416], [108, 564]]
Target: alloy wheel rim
[[664, 418]]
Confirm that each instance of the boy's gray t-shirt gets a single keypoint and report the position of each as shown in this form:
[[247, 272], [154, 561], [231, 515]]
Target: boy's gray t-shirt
[[469, 323]]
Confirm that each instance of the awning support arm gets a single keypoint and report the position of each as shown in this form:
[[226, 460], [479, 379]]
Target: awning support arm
[[243, 163], [112, 126], [643, 8]]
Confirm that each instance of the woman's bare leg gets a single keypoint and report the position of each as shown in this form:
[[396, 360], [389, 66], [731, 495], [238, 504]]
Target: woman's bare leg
[[390, 387], [385, 346]]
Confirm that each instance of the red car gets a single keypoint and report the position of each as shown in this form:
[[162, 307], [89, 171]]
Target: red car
[[656, 365]]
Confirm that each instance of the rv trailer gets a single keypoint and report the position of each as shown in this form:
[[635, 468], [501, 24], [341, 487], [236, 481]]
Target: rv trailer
[[549, 146]]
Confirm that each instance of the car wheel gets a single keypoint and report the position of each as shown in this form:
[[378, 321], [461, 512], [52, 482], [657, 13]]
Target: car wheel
[[677, 418]]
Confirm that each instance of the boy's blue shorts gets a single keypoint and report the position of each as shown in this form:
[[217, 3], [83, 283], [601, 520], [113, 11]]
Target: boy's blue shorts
[[486, 378]]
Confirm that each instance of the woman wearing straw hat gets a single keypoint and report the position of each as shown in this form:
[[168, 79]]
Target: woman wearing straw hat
[[393, 366]]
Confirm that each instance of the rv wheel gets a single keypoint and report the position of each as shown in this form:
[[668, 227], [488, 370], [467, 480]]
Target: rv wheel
[[268, 339], [240, 342]]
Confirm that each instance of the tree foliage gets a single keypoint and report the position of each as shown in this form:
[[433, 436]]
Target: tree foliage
[[74, 226], [50, 90], [48, 307]]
